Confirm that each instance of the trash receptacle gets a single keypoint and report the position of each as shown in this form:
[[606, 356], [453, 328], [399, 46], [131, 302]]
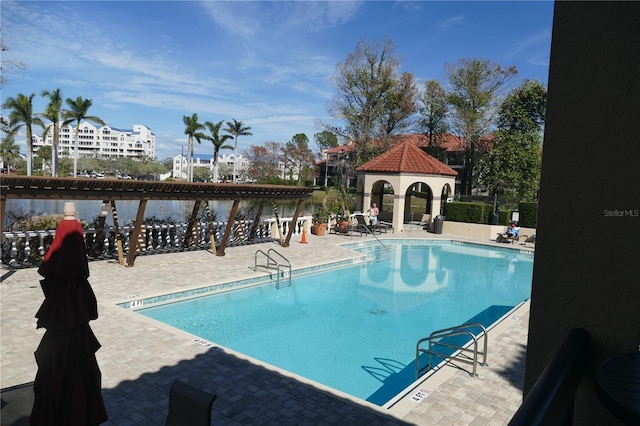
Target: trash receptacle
[[438, 223], [494, 218]]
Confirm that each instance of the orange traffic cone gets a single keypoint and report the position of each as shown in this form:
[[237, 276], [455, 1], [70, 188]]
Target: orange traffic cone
[[304, 236]]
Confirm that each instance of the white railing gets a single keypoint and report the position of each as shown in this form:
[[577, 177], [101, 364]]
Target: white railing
[[29, 247]]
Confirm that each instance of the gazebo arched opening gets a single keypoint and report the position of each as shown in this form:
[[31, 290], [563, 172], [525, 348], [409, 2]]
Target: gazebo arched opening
[[382, 193], [418, 201]]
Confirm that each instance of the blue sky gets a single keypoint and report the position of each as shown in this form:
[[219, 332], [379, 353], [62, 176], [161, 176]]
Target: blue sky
[[266, 63]]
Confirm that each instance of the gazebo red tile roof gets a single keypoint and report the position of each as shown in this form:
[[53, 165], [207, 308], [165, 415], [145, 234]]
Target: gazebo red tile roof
[[407, 157]]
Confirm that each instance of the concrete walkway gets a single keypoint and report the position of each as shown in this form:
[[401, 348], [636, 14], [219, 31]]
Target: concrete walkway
[[140, 358]]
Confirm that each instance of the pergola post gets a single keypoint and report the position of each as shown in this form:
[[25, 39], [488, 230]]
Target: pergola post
[[212, 235], [116, 229], [256, 221], [228, 229], [133, 241], [97, 241], [191, 224], [294, 222], [3, 205]]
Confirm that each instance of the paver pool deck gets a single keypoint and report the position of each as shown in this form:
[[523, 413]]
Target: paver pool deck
[[140, 357]]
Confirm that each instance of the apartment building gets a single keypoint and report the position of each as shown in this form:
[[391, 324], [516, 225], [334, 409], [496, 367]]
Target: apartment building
[[103, 141], [225, 167], [225, 164]]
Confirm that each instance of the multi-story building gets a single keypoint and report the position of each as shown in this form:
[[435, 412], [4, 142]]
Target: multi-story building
[[103, 141], [225, 167], [225, 164]]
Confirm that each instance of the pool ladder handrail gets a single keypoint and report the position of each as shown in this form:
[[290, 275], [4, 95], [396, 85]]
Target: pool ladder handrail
[[271, 262], [459, 350]]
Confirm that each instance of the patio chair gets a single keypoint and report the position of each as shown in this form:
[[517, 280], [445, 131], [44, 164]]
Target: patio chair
[[189, 405], [363, 227]]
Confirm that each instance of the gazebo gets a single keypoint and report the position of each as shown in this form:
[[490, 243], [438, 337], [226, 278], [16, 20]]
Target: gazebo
[[403, 172]]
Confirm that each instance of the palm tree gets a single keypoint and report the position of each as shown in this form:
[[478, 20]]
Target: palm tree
[[236, 128], [53, 113], [78, 110], [9, 149], [43, 153], [21, 114], [192, 131], [218, 143]]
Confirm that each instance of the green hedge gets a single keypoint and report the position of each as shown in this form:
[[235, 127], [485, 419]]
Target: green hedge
[[470, 212], [505, 217], [457, 211], [528, 214]]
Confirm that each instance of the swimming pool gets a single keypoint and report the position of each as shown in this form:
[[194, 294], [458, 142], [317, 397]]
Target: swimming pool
[[355, 328]]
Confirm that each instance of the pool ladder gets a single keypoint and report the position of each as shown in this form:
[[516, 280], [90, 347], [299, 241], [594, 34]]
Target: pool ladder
[[439, 338], [274, 264]]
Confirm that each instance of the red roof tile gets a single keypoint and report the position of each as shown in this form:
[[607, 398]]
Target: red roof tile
[[407, 157], [338, 149]]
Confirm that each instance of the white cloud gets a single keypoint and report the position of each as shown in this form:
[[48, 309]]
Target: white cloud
[[249, 19], [533, 41], [450, 22]]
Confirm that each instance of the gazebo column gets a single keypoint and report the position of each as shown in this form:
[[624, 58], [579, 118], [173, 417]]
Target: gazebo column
[[436, 203], [398, 212], [366, 200]]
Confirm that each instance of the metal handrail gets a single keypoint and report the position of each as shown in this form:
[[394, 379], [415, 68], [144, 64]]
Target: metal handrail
[[275, 262], [281, 257], [450, 332]]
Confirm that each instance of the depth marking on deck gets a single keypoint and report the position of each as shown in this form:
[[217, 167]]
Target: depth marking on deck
[[420, 395]]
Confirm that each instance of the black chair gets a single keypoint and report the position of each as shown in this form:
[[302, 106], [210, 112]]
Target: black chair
[[363, 227], [189, 405]]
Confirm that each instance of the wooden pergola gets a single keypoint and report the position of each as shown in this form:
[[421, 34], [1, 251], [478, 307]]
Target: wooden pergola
[[111, 190]]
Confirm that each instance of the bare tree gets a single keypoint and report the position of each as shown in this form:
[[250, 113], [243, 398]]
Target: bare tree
[[7, 65], [474, 96], [373, 99]]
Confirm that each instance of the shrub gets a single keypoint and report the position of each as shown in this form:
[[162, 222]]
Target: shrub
[[42, 222], [528, 214], [505, 217], [468, 212]]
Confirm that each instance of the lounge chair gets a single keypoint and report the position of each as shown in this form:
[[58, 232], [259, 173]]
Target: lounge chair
[[383, 226], [363, 227], [510, 238], [189, 405]]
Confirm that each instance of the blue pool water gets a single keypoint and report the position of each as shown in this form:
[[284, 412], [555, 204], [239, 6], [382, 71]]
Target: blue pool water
[[355, 328]]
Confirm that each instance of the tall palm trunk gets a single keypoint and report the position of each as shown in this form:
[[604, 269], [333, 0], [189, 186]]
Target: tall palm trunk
[[75, 150], [54, 149], [190, 159], [215, 166], [29, 141], [235, 157]]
